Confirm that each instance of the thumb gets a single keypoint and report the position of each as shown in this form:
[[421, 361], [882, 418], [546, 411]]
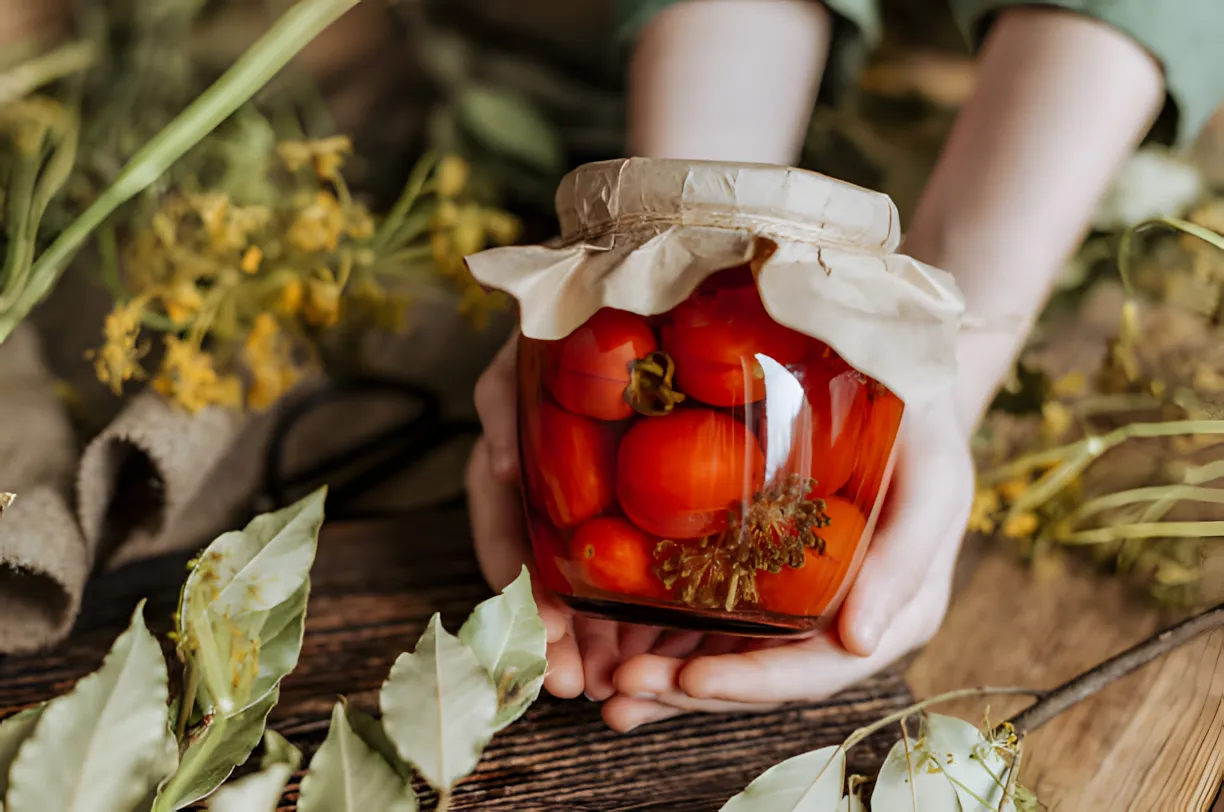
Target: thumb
[[926, 510]]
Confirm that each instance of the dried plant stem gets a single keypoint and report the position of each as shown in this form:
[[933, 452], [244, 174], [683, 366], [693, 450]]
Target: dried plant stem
[[444, 800], [287, 36], [32, 74], [1054, 702], [939, 699], [1152, 530], [1093, 447], [1153, 493]]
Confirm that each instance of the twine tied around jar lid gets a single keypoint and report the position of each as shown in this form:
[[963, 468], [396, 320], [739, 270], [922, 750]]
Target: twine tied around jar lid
[[641, 234]]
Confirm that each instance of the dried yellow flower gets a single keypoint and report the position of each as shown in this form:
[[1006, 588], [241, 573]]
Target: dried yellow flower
[[1021, 526], [360, 223], [318, 226], [117, 361], [289, 297], [501, 227], [251, 259], [1055, 418], [267, 354], [182, 302], [325, 155], [452, 176], [985, 506], [322, 303], [469, 231], [187, 377], [1012, 489], [445, 215]]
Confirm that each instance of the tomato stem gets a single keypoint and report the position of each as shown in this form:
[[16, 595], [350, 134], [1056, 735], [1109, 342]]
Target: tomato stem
[[650, 391]]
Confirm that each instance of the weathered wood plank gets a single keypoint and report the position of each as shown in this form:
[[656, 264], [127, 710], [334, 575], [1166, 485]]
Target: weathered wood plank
[[1154, 740], [375, 587]]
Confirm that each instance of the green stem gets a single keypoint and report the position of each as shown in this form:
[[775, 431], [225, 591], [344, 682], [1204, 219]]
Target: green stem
[[1126, 243], [1095, 446], [444, 800], [951, 696], [253, 70], [1188, 493], [32, 74], [188, 770], [1152, 530], [413, 189]]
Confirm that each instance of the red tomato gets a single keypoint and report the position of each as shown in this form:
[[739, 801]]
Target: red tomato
[[714, 339], [618, 557], [808, 590], [829, 425], [737, 277], [677, 475], [547, 547], [589, 369], [568, 463], [880, 425]]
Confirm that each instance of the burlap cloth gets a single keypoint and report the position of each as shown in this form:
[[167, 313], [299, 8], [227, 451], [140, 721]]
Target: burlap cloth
[[155, 479]]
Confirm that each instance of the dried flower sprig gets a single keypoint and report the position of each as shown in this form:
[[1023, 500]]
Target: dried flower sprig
[[242, 293]]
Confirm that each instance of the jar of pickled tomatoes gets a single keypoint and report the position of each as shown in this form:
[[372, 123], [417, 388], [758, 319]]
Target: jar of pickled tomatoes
[[713, 367]]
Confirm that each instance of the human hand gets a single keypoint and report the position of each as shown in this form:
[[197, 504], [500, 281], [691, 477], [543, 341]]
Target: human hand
[[895, 605]]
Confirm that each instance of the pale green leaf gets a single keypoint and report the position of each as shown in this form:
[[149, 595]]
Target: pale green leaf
[[439, 706], [214, 753], [279, 750], [977, 772], [98, 747], [280, 642], [259, 792], [347, 775], [811, 782], [508, 123], [510, 641], [372, 733], [261, 566], [13, 733], [910, 782]]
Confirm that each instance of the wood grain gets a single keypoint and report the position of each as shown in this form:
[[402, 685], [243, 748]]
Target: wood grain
[[1152, 741], [375, 587]]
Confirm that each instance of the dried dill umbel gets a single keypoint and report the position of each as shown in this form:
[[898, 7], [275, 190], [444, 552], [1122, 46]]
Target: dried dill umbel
[[233, 297]]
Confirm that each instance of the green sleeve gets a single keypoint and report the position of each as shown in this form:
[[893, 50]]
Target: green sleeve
[[633, 15], [1183, 35]]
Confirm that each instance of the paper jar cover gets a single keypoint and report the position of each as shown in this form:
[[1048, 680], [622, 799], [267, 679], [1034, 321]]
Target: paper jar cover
[[641, 234]]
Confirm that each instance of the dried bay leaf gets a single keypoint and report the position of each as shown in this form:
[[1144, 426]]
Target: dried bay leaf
[[347, 775], [98, 747], [439, 707], [213, 755], [508, 123], [278, 750], [243, 606], [13, 733], [977, 772], [910, 782], [258, 792], [510, 641], [811, 782], [263, 565], [375, 737]]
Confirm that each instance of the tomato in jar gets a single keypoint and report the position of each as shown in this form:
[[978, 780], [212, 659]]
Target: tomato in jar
[[829, 427], [882, 422], [714, 337], [615, 556], [568, 464], [808, 590], [589, 371], [547, 549], [679, 474]]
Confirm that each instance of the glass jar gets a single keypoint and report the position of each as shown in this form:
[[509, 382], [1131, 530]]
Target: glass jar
[[695, 453]]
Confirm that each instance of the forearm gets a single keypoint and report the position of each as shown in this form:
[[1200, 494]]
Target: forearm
[[727, 80], [1061, 102]]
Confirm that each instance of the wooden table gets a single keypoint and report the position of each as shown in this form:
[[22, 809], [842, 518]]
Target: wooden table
[[375, 586]]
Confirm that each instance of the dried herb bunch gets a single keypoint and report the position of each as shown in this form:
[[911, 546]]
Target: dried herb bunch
[[771, 532], [1117, 448], [221, 217]]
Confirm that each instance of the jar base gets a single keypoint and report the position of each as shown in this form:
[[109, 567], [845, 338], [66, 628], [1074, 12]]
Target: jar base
[[742, 624]]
